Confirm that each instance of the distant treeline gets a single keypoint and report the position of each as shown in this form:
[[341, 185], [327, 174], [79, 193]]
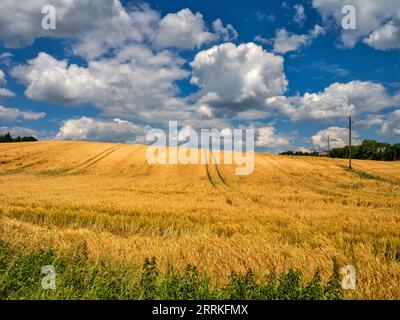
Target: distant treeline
[[368, 150], [300, 153], [8, 138]]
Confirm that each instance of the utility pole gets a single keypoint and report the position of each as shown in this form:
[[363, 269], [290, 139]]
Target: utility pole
[[349, 117], [329, 145]]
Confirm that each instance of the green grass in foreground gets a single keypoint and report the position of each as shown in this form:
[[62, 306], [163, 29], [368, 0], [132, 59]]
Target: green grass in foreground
[[20, 278]]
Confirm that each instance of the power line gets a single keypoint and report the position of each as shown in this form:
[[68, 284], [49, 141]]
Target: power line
[[349, 127]]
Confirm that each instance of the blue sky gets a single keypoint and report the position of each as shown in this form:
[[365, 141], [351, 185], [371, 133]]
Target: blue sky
[[112, 70]]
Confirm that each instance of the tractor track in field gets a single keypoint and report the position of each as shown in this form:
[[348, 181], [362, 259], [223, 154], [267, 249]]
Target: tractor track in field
[[216, 178], [215, 184], [220, 175], [92, 161], [98, 155], [210, 179], [220, 182]]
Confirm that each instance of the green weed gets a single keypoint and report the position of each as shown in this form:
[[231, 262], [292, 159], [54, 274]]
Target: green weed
[[77, 278]]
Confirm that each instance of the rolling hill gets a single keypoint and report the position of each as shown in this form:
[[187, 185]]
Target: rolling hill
[[295, 212]]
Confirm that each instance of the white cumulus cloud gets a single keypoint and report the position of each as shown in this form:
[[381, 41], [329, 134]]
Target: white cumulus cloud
[[339, 137], [89, 129], [6, 93], [391, 126], [385, 38], [285, 41], [236, 78], [377, 22], [269, 139], [183, 30], [98, 26], [135, 83], [11, 114], [20, 21], [2, 77], [3, 91], [336, 101]]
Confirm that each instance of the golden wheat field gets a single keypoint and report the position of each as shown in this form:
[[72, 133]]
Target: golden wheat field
[[291, 212]]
